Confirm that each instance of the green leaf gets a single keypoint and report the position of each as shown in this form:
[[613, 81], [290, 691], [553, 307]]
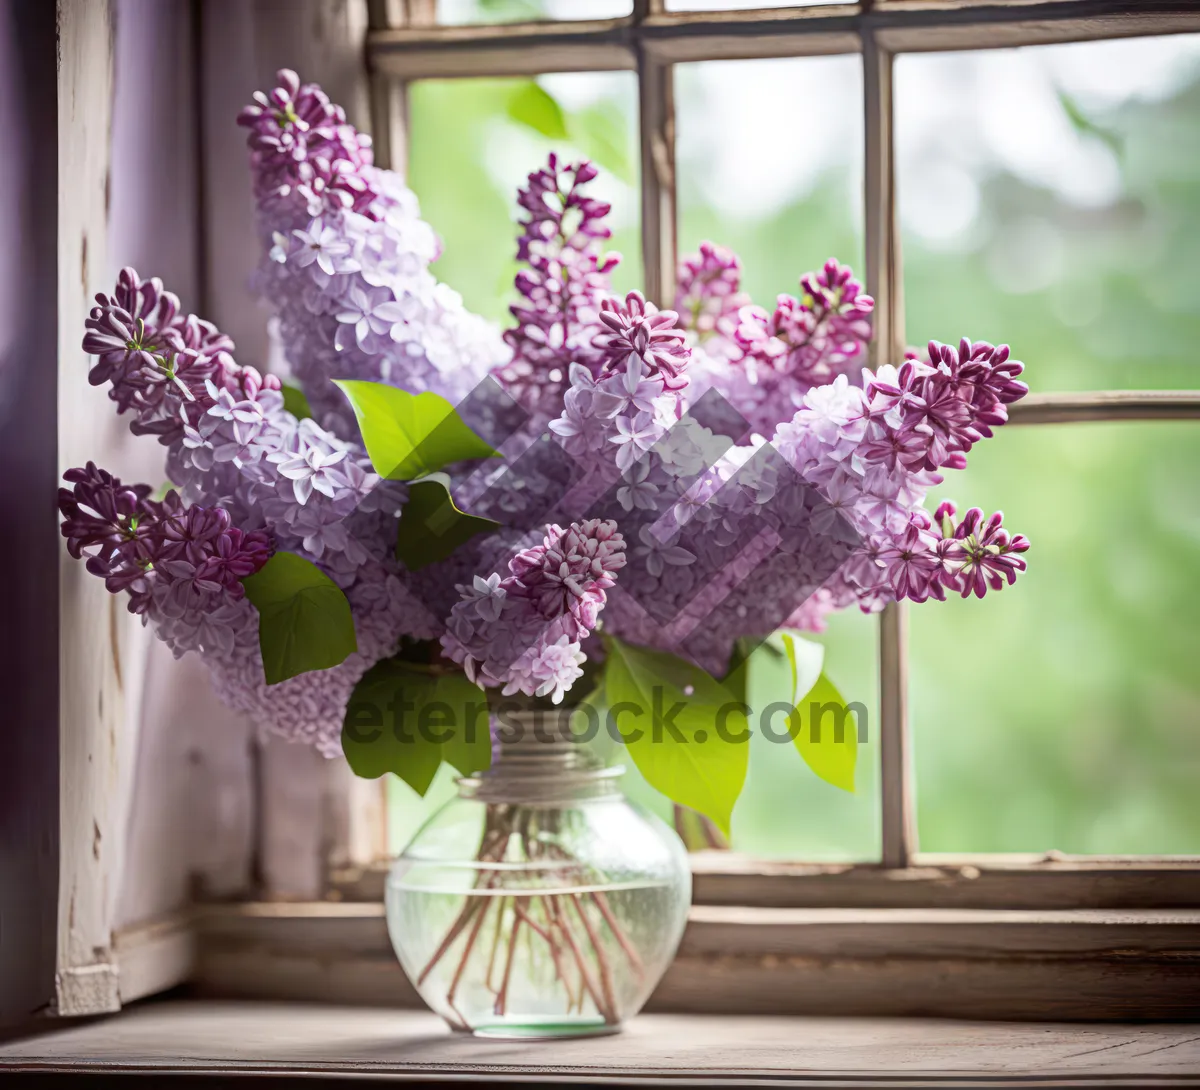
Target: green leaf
[[702, 761], [432, 527], [295, 402], [532, 105], [766, 672], [407, 719], [786, 669], [805, 659], [826, 734], [410, 435], [304, 620]]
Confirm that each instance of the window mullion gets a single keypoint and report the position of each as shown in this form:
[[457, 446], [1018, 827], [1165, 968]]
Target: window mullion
[[656, 113], [899, 834]]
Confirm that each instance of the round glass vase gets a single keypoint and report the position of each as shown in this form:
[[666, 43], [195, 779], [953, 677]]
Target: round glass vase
[[540, 902]]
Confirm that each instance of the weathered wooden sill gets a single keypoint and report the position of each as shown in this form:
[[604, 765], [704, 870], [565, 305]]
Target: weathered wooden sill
[[1136, 964], [196, 1038]]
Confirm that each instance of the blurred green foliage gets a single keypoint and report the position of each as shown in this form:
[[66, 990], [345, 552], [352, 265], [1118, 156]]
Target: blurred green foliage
[[1063, 712]]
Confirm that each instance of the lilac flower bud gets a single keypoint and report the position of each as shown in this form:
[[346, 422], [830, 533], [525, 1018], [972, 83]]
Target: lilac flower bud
[[638, 330], [566, 279]]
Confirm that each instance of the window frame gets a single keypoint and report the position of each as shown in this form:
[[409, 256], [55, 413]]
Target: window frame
[[1032, 936], [404, 43]]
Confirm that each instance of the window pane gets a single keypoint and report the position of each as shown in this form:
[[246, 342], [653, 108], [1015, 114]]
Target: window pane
[[475, 141], [519, 11], [501, 130], [1050, 198], [1064, 712], [769, 163]]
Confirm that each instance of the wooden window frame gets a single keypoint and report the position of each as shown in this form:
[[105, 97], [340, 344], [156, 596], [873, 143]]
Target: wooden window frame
[[1007, 936], [405, 43]]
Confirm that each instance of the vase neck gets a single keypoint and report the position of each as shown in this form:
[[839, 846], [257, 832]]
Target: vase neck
[[536, 759]]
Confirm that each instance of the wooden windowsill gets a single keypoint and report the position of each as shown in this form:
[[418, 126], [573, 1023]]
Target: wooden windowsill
[[198, 1037]]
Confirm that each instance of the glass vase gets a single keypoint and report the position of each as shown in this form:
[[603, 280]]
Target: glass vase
[[539, 902]]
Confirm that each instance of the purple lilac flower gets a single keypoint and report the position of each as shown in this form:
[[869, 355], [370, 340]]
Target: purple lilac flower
[[144, 546], [346, 263], [765, 363], [980, 553], [708, 295], [523, 632], [566, 276], [886, 442], [637, 331]]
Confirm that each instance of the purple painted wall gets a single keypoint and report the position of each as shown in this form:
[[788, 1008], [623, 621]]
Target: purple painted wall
[[28, 519]]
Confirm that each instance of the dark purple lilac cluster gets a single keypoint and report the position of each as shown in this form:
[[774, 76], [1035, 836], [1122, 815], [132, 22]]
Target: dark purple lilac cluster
[[930, 415], [637, 335], [164, 366], [153, 548], [301, 143], [563, 283]]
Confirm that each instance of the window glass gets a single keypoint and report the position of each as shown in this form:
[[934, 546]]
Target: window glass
[[769, 163], [1050, 197], [501, 130], [517, 11], [1064, 712]]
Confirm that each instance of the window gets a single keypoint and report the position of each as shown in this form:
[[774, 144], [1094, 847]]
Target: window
[[855, 125], [844, 913]]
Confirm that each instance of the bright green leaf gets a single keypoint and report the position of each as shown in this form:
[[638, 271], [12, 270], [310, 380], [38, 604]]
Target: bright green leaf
[[767, 672], [295, 402], [432, 527], [410, 435], [404, 718], [304, 620], [805, 659], [826, 734], [532, 105], [685, 731]]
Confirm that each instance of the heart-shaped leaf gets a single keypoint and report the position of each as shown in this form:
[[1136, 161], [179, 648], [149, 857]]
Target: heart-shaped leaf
[[407, 718], [304, 620], [410, 435], [432, 527], [685, 731]]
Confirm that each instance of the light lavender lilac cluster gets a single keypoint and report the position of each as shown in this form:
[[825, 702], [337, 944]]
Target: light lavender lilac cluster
[[347, 272], [346, 263]]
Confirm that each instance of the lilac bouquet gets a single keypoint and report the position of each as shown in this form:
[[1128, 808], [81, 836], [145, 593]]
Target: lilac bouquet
[[641, 498]]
